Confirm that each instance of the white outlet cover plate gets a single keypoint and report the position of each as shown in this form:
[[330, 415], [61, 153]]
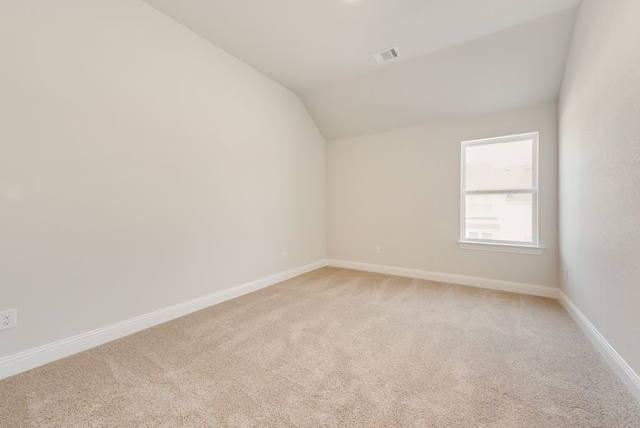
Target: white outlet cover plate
[[8, 319]]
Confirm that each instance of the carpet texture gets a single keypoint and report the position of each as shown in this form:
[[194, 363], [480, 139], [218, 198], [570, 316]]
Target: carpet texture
[[337, 348]]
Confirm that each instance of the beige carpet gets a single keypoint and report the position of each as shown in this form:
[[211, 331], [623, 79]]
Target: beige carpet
[[337, 348]]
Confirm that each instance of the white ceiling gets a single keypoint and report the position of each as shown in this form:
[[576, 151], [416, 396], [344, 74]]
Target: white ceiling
[[313, 46], [514, 68]]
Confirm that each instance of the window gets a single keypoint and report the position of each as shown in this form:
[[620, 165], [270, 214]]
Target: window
[[499, 197]]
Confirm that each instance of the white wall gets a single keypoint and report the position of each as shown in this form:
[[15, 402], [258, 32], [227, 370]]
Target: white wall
[[140, 167], [599, 172], [400, 190]]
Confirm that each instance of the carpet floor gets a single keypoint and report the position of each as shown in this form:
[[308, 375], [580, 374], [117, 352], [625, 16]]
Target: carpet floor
[[337, 348]]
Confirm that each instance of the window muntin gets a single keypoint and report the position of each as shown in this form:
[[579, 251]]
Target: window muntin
[[499, 190]]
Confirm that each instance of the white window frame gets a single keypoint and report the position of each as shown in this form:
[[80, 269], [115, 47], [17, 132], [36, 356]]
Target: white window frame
[[465, 243]]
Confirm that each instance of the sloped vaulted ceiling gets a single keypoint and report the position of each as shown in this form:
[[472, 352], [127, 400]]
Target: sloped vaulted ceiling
[[459, 57], [513, 68]]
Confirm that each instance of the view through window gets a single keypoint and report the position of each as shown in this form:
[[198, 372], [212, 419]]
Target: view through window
[[499, 190]]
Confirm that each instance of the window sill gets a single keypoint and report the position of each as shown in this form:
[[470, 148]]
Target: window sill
[[501, 248]]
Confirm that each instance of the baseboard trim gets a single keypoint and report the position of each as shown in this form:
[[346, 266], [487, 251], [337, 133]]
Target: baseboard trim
[[471, 281], [624, 371], [32, 358]]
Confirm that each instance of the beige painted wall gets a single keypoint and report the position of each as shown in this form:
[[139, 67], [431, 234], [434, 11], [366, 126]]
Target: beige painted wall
[[400, 190], [599, 172], [140, 167]]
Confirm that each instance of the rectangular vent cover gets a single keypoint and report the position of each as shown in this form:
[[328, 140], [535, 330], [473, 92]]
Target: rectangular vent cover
[[386, 55]]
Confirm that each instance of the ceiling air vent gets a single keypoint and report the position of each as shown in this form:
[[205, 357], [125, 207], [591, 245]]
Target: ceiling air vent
[[386, 55]]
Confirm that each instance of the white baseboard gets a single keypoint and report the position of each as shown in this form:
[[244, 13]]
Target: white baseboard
[[32, 358], [27, 360], [472, 281], [624, 371]]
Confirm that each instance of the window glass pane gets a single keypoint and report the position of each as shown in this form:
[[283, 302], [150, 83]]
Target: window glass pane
[[500, 166], [503, 217]]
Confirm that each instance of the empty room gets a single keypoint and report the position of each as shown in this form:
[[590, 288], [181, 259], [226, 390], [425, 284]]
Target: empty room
[[320, 213]]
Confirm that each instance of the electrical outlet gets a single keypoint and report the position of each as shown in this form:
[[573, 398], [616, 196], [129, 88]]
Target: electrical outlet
[[283, 256], [8, 319], [377, 251]]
